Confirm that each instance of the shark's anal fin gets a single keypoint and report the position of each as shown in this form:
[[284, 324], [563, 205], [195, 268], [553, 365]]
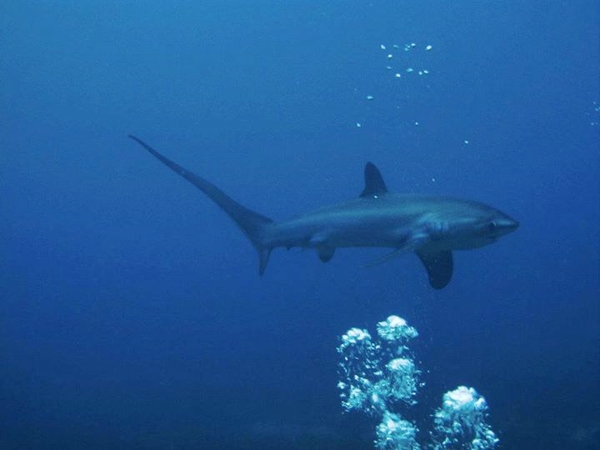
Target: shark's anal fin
[[374, 184], [439, 266]]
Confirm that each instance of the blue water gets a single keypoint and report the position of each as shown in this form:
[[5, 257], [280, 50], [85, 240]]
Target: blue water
[[131, 313]]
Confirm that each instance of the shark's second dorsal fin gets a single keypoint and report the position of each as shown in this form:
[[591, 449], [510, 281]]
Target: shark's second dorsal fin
[[374, 184]]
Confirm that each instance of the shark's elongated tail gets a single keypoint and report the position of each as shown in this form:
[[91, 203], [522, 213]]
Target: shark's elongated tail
[[251, 223]]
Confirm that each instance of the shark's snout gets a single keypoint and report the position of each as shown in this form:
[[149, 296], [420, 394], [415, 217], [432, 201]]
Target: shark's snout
[[505, 225]]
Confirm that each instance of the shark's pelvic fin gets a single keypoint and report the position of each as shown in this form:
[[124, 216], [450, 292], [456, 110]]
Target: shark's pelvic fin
[[374, 184], [251, 223], [325, 253], [439, 266], [385, 258]]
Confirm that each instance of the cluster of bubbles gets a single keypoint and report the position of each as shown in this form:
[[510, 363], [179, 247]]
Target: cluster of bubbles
[[376, 371], [376, 374], [407, 48], [402, 62], [595, 114], [397, 69]]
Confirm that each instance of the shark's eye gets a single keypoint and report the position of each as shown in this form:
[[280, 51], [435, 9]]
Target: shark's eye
[[492, 226]]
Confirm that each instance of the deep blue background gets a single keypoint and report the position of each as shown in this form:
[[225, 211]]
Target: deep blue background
[[131, 313]]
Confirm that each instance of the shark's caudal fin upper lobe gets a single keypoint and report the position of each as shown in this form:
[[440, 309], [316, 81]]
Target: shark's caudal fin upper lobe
[[251, 223]]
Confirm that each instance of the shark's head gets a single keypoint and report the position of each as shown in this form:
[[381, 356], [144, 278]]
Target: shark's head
[[492, 226], [463, 225], [446, 223]]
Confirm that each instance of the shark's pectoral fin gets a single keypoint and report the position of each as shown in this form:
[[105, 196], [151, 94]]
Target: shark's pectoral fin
[[439, 266], [325, 253]]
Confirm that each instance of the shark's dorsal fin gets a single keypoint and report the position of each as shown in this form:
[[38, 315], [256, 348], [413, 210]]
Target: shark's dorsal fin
[[374, 184]]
